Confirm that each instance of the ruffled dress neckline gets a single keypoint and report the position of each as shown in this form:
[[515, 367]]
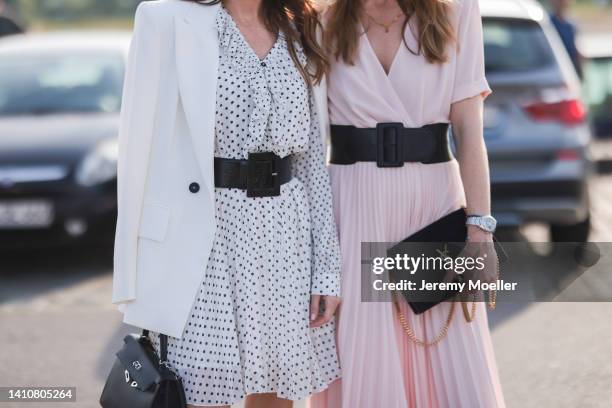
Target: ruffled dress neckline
[[232, 39], [272, 112]]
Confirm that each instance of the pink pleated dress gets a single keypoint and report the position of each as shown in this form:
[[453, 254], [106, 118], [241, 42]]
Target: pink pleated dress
[[381, 367]]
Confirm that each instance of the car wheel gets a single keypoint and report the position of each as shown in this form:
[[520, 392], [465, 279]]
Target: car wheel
[[571, 233]]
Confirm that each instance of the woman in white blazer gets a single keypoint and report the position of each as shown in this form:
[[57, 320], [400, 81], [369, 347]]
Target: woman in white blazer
[[225, 238]]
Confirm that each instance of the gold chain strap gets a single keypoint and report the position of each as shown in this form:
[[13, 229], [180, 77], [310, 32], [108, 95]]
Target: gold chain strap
[[469, 317], [493, 292], [492, 303], [410, 333]]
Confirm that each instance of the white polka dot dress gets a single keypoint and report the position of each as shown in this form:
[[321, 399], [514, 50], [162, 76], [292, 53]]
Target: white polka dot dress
[[248, 331]]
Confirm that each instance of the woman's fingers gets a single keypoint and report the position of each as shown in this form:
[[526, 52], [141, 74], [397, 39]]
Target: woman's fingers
[[331, 304], [485, 255], [315, 302]]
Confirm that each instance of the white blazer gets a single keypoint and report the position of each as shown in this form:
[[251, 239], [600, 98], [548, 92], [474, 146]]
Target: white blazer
[[166, 142]]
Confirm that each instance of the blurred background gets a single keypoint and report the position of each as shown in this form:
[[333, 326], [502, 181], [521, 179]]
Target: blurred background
[[548, 129]]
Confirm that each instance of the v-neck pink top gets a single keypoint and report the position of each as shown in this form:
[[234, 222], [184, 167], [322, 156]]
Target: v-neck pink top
[[414, 92]]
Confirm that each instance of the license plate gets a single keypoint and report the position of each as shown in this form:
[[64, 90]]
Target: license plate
[[23, 214]]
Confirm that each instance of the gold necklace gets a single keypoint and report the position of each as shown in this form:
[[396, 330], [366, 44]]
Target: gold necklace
[[387, 27]]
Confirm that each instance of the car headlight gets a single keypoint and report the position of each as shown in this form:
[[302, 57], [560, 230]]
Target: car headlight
[[100, 165]]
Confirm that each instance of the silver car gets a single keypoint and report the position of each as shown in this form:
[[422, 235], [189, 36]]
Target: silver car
[[536, 127]]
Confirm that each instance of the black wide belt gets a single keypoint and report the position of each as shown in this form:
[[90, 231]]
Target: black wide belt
[[261, 175], [390, 144]]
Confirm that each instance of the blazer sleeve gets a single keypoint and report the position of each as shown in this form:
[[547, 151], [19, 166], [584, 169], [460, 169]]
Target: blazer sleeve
[[136, 127]]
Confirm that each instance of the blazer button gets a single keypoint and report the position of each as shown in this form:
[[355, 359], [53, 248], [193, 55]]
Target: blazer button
[[194, 187]]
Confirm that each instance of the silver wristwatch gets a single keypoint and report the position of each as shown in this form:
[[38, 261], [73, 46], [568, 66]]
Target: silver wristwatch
[[485, 222]]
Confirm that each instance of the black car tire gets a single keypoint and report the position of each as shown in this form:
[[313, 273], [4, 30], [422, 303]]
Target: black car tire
[[571, 233]]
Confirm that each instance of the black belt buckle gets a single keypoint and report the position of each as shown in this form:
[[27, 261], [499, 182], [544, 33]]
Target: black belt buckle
[[388, 144], [263, 179]]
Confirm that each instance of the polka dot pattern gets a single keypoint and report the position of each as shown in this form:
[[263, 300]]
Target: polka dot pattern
[[248, 329]]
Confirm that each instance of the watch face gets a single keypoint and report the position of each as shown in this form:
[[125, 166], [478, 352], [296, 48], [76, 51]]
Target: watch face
[[489, 223]]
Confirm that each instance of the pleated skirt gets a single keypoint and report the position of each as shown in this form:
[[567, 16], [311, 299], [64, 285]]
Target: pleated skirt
[[381, 367]]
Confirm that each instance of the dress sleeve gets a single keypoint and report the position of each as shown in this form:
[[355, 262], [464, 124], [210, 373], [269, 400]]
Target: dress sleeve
[[309, 167], [470, 68]]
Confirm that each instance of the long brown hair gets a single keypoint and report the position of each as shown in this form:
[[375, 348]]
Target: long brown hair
[[433, 29], [299, 21]]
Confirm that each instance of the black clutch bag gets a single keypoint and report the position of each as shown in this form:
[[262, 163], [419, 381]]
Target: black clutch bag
[[142, 379], [445, 237]]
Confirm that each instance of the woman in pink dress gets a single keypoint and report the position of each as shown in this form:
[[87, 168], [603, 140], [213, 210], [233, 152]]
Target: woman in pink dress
[[417, 62]]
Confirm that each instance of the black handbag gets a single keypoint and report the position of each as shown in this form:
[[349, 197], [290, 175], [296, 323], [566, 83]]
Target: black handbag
[[447, 235], [142, 379]]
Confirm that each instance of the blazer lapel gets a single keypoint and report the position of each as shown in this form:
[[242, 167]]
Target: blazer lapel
[[197, 56]]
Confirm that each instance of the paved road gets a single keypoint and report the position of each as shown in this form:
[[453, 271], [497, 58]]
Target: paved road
[[57, 327]]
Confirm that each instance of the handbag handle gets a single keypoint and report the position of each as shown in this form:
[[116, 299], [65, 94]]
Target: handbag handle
[[163, 345], [410, 332]]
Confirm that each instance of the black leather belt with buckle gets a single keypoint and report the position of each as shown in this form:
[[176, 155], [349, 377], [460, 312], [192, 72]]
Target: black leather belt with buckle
[[261, 175], [390, 144]]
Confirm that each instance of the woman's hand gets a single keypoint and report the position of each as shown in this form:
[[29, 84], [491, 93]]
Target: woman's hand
[[476, 234], [480, 246], [322, 309]]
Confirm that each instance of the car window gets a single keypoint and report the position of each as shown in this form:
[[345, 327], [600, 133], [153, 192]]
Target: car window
[[598, 94], [515, 45], [58, 83]]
